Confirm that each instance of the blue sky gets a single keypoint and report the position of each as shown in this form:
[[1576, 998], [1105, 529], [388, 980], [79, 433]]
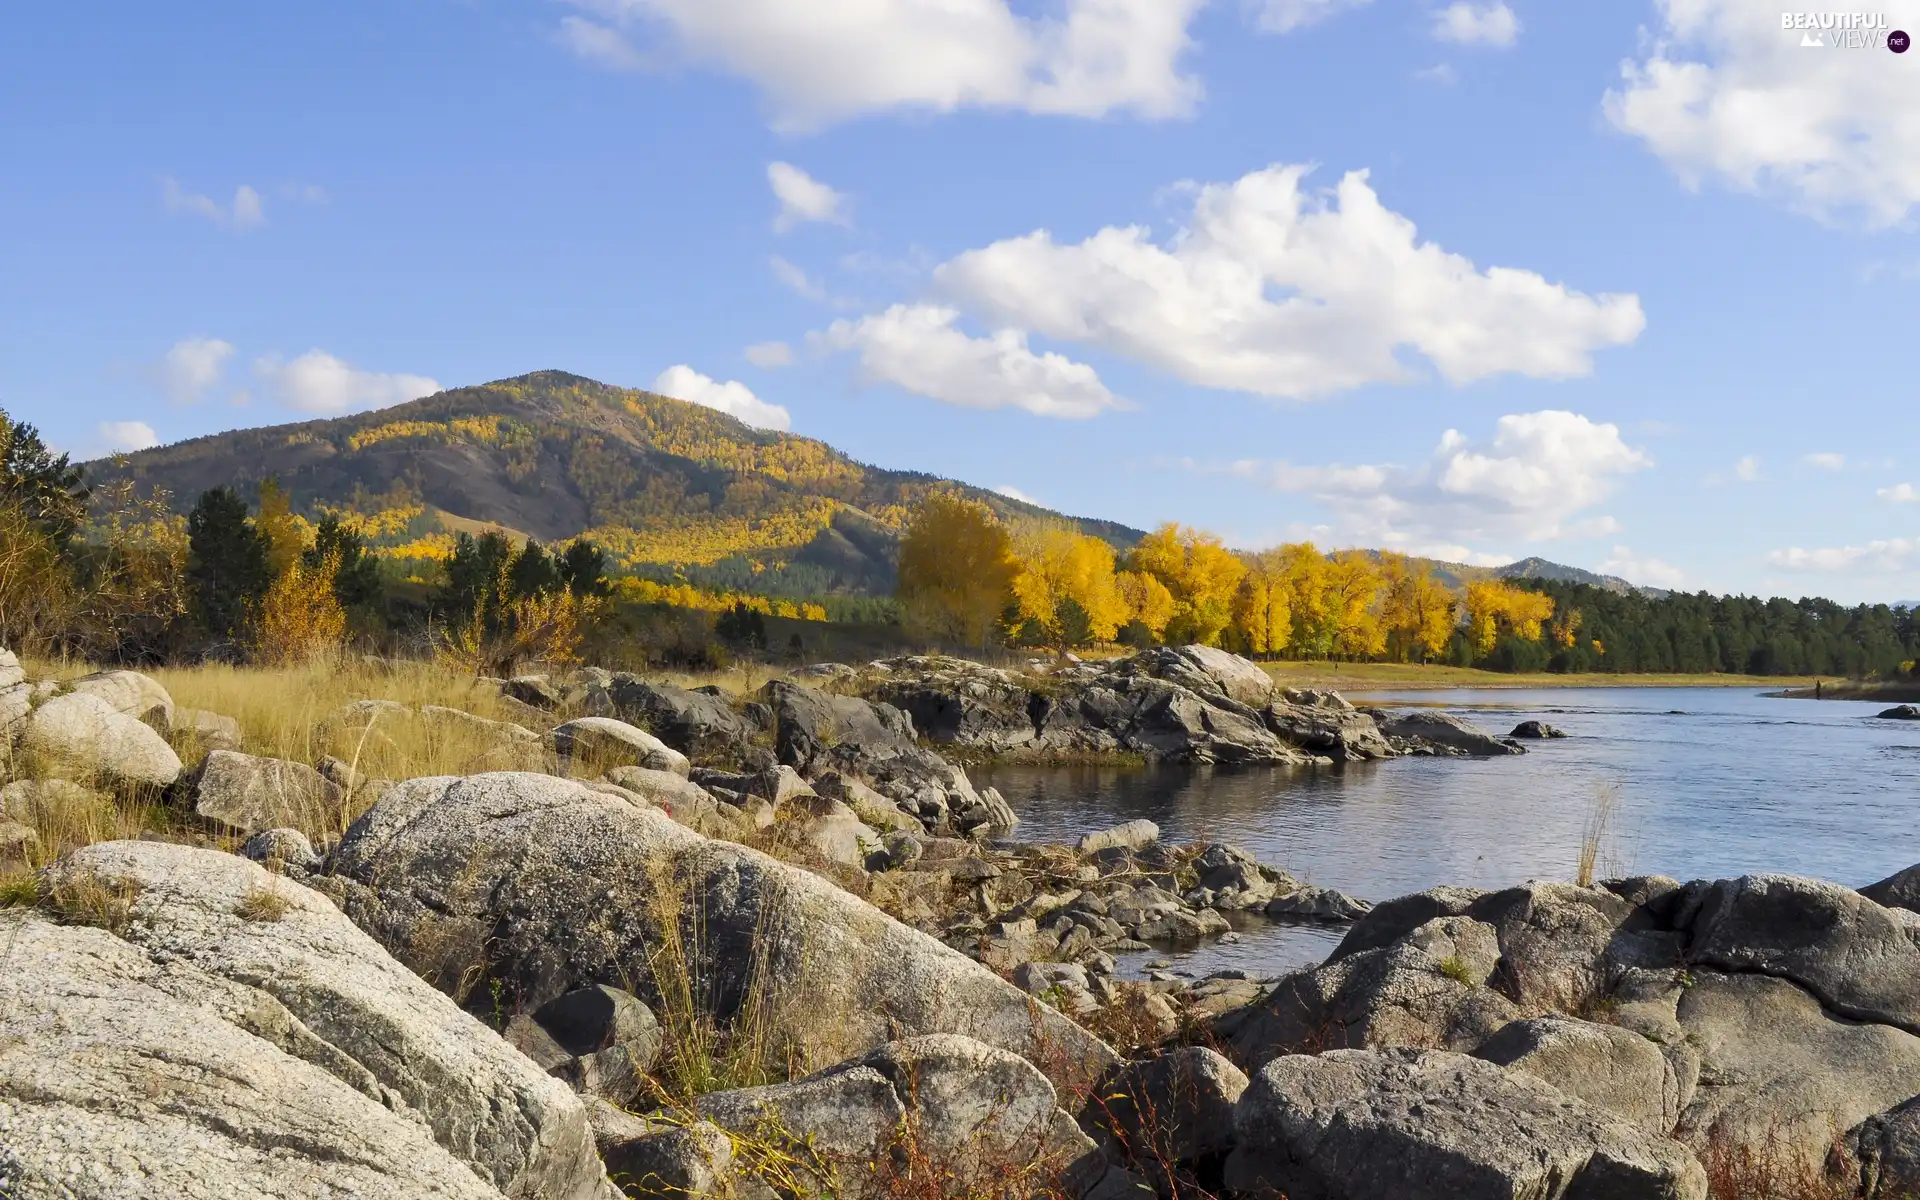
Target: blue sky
[[1629, 286]]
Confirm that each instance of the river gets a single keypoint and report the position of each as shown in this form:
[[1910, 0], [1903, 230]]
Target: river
[[1706, 782]]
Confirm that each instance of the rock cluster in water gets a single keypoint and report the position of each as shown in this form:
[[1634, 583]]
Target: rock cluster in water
[[506, 984]]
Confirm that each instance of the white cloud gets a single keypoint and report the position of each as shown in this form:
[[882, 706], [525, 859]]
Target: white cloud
[[1285, 16], [798, 281], [1278, 292], [735, 399], [1899, 493], [1468, 24], [919, 348], [245, 212], [189, 367], [1013, 493], [1826, 461], [1723, 92], [123, 437], [803, 198], [1541, 471], [599, 44], [829, 60], [1891, 555], [1643, 569], [770, 354], [1747, 470], [317, 382], [1440, 73]]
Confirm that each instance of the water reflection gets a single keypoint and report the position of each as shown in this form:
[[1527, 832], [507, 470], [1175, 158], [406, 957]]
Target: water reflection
[[1710, 782]]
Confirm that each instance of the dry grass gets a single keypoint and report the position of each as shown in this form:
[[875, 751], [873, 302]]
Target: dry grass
[[1595, 834], [88, 898], [70, 813], [267, 903], [1774, 1169]]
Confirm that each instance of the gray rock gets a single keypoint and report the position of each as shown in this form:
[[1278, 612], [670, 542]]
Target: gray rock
[[255, 1103], [1130, 835], [247, 794], [606, 742], [511, 738], [870, 806], [85, 733], [17, 841], [1902, 712], [210, 729], [536, 691], [16, 698], [1317, 903], [558, 882], [1447, 730], [1887, 1147], [11, 673], [1537, 730], [285, 850], [1604, 1065], [39, 802], [1429, 989], [600, 1040], [1898, 890], [1207, 669], [1857, 958], [131, 693], [1356, 1125], [697, 724], [1324, 723], [343, 1005], [691, 1162], [1170, 1111]]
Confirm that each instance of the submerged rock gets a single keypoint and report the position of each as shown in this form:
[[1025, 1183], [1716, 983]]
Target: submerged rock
[[1448, 732], [1535, 730]]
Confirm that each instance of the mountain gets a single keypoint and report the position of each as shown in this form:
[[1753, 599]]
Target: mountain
[[1540, 568], [661, 483]]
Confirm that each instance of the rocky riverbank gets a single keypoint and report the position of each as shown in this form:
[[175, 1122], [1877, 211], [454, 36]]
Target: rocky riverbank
[[707, 945]]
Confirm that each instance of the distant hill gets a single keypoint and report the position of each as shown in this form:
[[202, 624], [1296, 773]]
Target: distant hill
[[1540, 568], [660, 482]]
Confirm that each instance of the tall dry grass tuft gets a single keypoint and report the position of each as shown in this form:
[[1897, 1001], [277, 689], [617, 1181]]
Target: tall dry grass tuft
[[1595, 833], [1775, 1169]]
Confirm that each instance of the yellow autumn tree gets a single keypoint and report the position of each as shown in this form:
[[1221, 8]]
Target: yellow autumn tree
[[1495, 608], [284, 532], [1350, 603], [956, 568], [1417, 610], [1263, 605], [1148, 600], [300, 617], [1061, 571], [1199, 572], [1300, 576]]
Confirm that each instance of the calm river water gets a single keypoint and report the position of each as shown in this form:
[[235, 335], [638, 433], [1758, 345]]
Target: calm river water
[[1708, 782]]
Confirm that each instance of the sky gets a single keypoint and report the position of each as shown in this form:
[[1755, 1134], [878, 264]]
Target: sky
[[1630, 286]]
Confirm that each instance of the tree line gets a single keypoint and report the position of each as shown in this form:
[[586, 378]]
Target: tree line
[[970, 578]]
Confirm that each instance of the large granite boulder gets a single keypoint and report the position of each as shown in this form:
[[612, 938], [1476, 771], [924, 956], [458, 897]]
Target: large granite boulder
[[1609, 1067], [248, 794], [1430, 988], [699, 724], [83, 733], [1428, 1125], [1448, 732], [1206, 670], [955, 701], [1898, 890], [131, 693], [296, 1056], [1324, 723], [542, 885], [606, 742], [16, 698]]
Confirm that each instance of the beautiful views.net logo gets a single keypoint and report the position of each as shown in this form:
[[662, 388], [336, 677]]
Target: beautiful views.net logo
[[1846, 31]]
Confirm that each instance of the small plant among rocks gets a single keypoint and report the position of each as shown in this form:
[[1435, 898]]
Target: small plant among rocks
[[262, 904], [89, 898]]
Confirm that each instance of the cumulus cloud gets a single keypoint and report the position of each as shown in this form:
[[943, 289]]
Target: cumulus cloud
[[1467, 24], [1826, 461], [821, 62], [317, 382], [1280, 292], [919, 347], [803, 198], [1899, 493], [1285, 16], [1890, 556], [245, 212], [1723, 92], [1532, 482], [1643, 569], [770, 354], [124, 437], [189, 367], [735, 399]]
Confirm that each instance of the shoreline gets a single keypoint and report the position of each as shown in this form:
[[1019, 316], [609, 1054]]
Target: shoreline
[[1374, 677]]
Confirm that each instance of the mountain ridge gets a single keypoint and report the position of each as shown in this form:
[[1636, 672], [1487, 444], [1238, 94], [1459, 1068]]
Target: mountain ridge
[[666, 485]]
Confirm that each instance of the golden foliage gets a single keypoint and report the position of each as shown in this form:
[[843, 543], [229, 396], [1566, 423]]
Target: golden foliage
[[1494, 608], [956, 568], [701, 540], [1263, 605], [685, 595], [1199, 572], [1417, 610], [1148, 600], [477, 429], [374, 526], [431, 547], [287, 534], [1057, 565], [544, 628], [300, 618]]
